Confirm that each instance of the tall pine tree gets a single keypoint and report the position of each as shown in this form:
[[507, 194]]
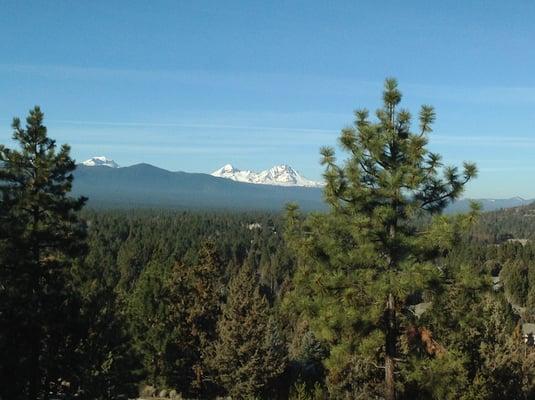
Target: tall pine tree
[[41, 234], [205, 280], [250, 353], [363, 260]]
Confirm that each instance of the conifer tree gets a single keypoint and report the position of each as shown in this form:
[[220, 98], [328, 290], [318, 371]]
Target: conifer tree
[[361, 261], [41, 234], [250, 352], [174, 313], [109, 366], [205, 281], [515, 279], [157, 316]]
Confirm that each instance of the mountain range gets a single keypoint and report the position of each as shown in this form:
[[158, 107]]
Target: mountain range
[[282, 175], [144, 185], [463, 205]]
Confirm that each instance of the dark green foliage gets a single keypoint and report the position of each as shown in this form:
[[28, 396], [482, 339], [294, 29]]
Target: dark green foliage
[[250, 353], [307, 354], [173, 312], [206, 281], [108, 363], [155, 328], [470, 321], [41, 235], [456, 321], [515, 276], [362, 262]]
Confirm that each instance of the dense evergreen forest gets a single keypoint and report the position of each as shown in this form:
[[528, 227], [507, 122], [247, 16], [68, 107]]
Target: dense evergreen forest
[[381, 297], [183, 301]]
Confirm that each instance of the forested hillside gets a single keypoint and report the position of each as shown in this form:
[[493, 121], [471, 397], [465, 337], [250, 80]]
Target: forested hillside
[[141, 266], [515, 223]]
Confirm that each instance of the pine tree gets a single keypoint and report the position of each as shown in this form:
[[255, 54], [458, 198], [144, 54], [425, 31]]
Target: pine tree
[[174, 313], [515, 279], [157, 315], [205, 281], [109, 366], [41, 234], [250, 352], [361, 261]]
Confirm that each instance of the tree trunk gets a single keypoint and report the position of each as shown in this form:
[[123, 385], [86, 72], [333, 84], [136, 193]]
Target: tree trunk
[[35, 345], [391, 333], [34, 368], [390, 348]]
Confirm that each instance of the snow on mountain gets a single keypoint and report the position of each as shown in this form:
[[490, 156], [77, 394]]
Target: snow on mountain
[[100, 162], [280, 175], [229, 172]]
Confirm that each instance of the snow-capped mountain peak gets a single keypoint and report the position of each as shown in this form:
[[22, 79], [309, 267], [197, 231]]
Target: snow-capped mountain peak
[[280, 175], [226, 169], [100, 161]]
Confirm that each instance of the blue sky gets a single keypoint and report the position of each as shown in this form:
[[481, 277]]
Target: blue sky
[[193, 85]]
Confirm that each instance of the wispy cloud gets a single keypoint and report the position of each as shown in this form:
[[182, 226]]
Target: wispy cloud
[[323, 136], [214, 126], [522, 168], [484, 140], [300, 83], [171, 150], [106, 132]]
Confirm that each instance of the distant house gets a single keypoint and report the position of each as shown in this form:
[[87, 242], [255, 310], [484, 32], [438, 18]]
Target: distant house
[[523, 242], [420, 308], [496, 283], [254, 225], [528, 333]]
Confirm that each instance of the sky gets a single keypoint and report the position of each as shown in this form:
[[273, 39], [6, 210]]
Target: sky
[[193, 85]]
